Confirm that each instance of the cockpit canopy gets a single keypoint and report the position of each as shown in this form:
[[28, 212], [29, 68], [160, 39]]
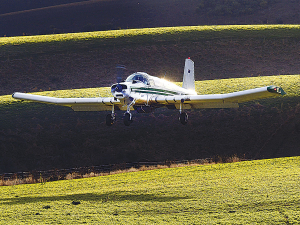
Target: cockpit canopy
[[138, 77]]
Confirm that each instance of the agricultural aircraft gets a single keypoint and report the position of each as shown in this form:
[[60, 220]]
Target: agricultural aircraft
[[144, 93]]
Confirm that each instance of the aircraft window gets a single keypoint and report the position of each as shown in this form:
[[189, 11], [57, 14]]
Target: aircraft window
[[138, 77], [129, 79]]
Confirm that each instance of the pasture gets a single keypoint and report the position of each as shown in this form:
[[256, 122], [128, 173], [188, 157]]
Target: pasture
[[249, 192], [41, 44], [37, 136], [79, 60]]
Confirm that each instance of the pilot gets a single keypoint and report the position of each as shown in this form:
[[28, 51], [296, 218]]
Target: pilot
[[141, 78]]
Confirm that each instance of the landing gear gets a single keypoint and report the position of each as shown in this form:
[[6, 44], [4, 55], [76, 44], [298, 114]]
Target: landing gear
[[127, 118], [183, 118], [110, 119]]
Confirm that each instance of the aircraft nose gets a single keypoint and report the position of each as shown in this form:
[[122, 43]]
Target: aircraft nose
[[118, 88]]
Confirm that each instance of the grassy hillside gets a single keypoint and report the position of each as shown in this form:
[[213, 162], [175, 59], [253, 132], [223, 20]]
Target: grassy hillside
[[81, 41], [263, 191], [19, 17], [35, 137], [64, 61], [38, 137]]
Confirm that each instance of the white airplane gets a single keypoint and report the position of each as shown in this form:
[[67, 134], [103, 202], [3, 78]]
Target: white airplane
[[144, 93]]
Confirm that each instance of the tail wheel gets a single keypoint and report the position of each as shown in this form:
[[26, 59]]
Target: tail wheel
[[127, 119], [110, 119], [183, 118]]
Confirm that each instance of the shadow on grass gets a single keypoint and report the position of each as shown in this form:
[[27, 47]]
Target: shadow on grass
[[107, 197]]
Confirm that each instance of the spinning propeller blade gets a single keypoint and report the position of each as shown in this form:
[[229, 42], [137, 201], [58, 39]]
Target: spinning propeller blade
[[120, 73]]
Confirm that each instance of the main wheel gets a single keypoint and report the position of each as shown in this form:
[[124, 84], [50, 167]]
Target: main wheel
[[110, 119], [183, 118], [127, 119]]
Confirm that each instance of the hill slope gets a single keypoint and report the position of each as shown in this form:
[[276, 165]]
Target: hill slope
[[264, 191], [88, 59], [115, 14], [47, 137], [41, 137]]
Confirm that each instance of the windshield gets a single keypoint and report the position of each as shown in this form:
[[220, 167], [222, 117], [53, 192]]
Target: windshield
[[137, 77]]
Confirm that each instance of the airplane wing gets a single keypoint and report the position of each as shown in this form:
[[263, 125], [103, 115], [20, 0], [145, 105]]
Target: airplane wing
[[229, 100], [77, 104]]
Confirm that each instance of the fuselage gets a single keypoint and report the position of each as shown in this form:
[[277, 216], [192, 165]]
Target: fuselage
[[141, 85]]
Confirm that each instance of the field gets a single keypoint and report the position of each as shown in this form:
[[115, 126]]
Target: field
[[39, 137], [18, 18], [38, 44], [249, 192], [64, 61], [80, 60]]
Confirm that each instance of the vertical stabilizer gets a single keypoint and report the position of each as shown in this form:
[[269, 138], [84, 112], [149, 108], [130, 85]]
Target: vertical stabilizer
[[188, 75]]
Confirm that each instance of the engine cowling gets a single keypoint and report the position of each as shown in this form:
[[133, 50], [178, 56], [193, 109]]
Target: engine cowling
[[119, 90]]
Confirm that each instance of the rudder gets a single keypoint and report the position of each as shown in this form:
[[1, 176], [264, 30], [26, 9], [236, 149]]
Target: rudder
[[188, 75]]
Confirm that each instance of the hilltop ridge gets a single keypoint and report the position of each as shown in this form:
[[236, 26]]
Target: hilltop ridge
[[80, 16]]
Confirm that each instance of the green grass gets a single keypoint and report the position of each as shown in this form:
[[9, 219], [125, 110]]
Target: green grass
[[16, 46], [290, 83], [251, 192]]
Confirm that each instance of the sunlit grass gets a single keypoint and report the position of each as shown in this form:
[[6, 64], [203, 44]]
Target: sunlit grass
[[12, 46], [263, 191], [290, 84], [188, 31]]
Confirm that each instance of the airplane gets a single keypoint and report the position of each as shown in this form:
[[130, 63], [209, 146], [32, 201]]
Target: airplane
[[145, 93]]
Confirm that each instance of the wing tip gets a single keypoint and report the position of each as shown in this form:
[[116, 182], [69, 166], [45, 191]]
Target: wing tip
[[276, 89], [13, 95]]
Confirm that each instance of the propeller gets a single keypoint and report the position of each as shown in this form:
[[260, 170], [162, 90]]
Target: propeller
[[120, 72], [118, 87]]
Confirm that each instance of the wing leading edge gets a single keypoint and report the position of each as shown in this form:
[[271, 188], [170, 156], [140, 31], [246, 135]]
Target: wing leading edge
[[77, 104]]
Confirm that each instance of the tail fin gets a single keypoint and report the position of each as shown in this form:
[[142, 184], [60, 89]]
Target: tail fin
[[188, 75]]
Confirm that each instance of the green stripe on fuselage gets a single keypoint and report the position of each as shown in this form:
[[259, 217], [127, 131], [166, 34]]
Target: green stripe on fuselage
[[154, 91]]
